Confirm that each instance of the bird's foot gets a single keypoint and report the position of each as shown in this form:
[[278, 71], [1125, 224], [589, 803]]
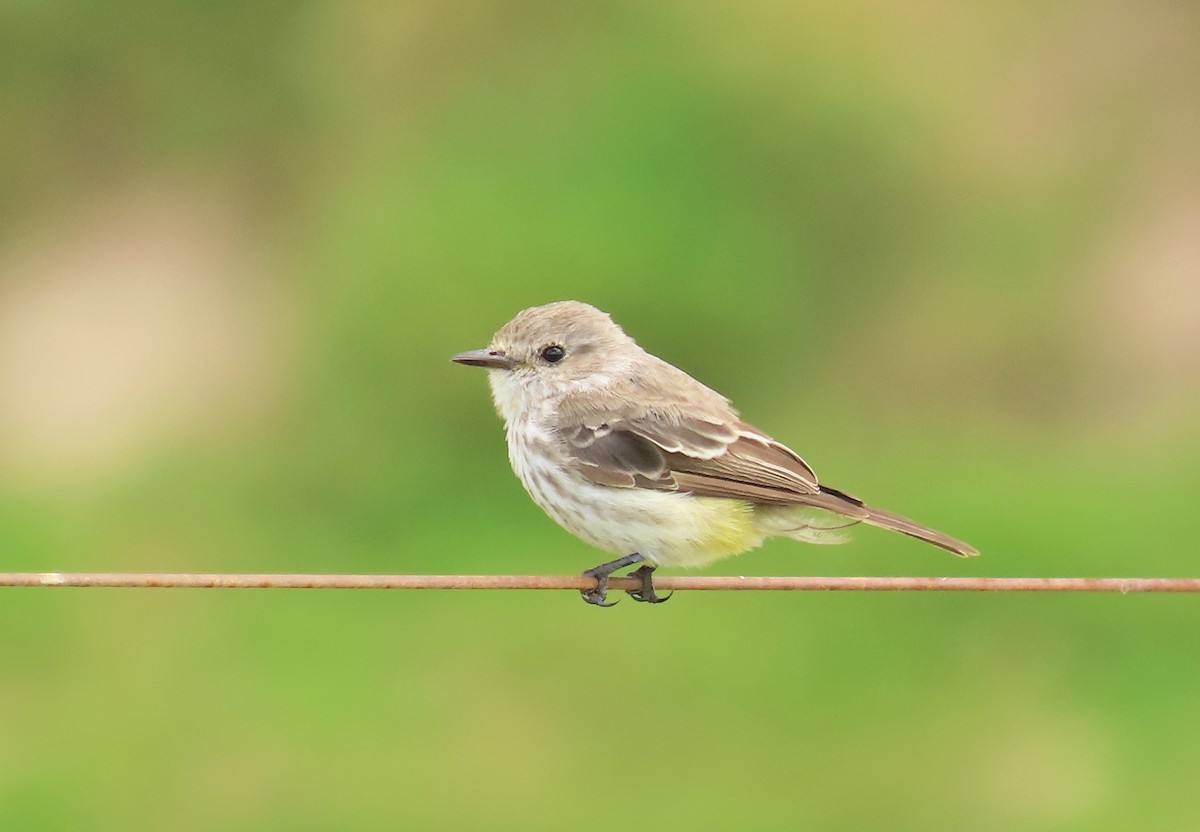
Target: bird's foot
[[646, 593], [599, 595]]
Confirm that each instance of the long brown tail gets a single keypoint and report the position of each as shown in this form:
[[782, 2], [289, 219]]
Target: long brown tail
[[888, 520]]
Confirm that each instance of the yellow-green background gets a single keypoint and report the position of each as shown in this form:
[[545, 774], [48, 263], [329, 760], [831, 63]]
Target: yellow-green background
[[950, 252]]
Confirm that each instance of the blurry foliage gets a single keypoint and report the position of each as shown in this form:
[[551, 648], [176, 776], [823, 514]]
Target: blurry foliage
[[886, 233]]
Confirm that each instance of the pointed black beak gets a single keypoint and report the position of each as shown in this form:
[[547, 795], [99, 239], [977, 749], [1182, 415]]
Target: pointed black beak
[[492, 359]]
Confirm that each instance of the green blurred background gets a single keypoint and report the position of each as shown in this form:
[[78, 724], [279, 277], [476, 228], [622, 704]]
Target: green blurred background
[[950, 252]]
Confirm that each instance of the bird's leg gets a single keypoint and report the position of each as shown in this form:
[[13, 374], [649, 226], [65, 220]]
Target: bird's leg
[[599, 595], [646, 593]]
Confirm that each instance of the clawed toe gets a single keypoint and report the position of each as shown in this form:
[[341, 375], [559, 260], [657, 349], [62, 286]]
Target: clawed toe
[[597, 599], [649, 598], [646, 593], [599, 596]]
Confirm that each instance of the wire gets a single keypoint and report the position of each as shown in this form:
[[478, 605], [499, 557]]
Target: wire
[[580, 582]]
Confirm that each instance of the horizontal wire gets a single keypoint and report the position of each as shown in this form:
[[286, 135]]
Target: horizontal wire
[[581, 582]]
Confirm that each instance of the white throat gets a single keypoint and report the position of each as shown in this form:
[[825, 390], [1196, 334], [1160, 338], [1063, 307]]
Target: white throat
[[522, 395]]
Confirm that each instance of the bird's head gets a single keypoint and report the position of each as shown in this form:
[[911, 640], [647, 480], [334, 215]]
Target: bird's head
[[549, 351]]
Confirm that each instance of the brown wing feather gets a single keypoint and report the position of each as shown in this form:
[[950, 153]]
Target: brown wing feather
[[696, 455]]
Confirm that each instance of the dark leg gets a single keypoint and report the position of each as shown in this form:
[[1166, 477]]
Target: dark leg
[[599, 595], [646, 593]]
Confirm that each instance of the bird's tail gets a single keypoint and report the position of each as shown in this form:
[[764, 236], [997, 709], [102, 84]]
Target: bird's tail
[[824, 516], [888, 520]]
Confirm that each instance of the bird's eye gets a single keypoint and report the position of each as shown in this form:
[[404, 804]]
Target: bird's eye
[[553, 354]]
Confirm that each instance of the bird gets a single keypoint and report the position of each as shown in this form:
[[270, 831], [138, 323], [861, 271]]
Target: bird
[[637, 458]]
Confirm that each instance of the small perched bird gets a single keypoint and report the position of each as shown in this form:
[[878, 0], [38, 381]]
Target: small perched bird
[[639, 459]]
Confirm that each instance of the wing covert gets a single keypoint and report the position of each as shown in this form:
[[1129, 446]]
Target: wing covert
[[688, 453]]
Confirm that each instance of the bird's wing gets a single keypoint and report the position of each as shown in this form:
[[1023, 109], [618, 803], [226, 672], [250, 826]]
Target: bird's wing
[[708, 457]]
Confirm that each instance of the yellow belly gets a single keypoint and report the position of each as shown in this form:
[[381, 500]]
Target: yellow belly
[[667, 528], [726, 527]]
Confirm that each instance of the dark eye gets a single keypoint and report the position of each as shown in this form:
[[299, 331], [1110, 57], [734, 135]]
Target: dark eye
[[553, 354]]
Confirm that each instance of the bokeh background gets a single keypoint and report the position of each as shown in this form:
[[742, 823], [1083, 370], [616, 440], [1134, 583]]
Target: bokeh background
[[950, 252]]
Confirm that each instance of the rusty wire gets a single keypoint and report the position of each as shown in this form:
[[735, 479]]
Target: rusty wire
[[580, 582]]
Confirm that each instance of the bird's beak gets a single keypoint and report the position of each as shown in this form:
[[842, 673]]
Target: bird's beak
[[492, 359]]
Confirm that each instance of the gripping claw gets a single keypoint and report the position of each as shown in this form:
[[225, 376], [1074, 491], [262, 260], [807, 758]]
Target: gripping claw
[[646, 593], [599, 596]]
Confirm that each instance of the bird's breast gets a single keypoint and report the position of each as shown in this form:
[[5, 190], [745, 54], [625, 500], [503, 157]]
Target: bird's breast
[[669, 528]]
